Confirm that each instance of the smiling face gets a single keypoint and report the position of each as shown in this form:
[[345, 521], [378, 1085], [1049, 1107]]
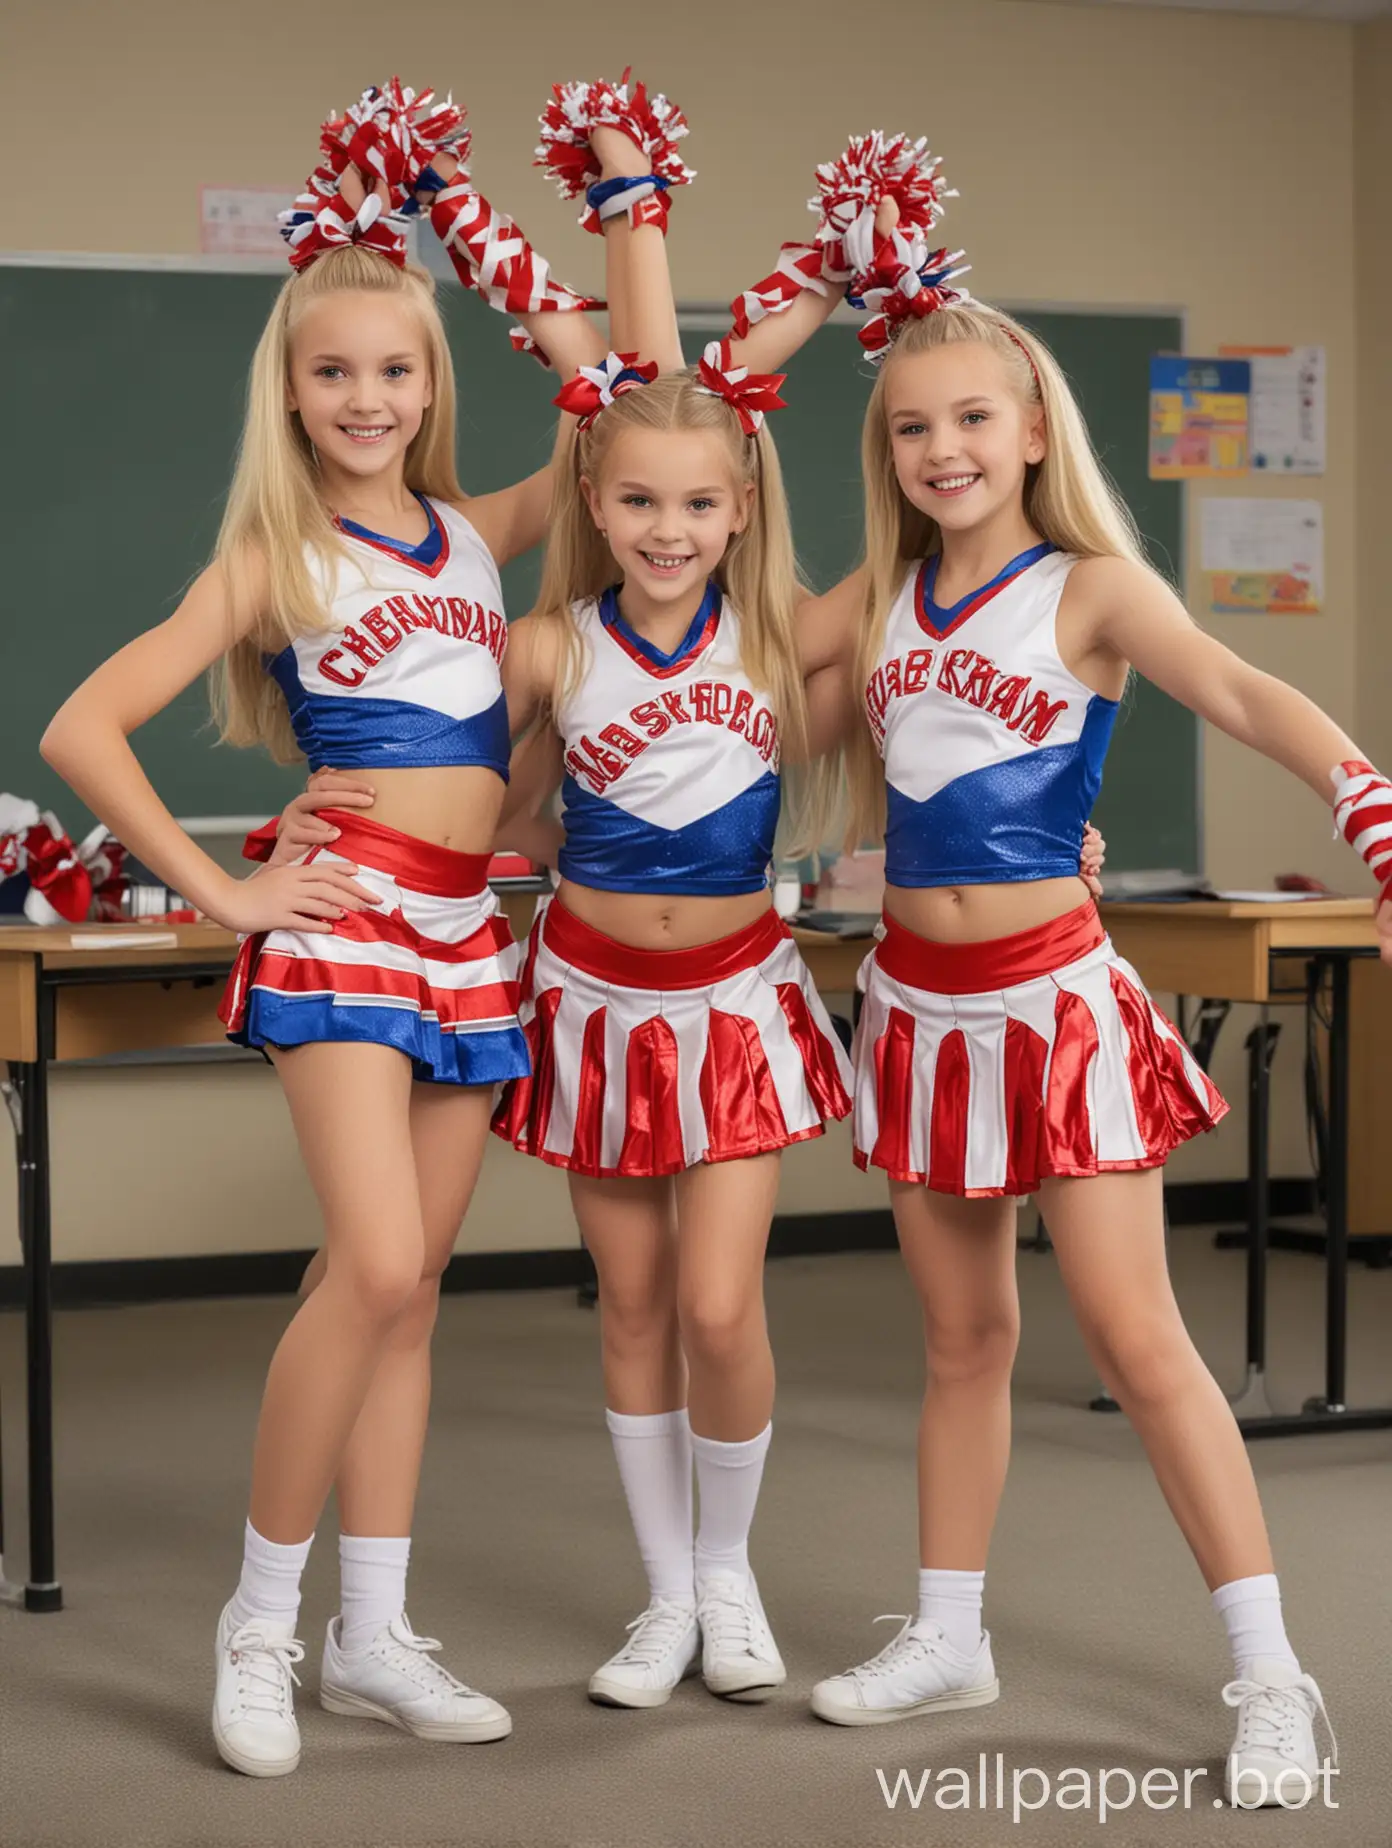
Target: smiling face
[[960, 436], [669, 503], [360, 379]]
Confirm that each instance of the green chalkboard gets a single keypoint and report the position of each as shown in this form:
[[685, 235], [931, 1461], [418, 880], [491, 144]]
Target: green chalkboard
[[127, 386]]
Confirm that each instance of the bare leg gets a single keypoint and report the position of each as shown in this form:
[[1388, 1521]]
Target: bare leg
[[375, 1250], [380, 1470], [724, 1210], [1109, 1233], [629, 1229], [961, 1256]]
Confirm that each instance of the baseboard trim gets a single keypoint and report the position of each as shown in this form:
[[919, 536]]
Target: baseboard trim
[[102, 1282]]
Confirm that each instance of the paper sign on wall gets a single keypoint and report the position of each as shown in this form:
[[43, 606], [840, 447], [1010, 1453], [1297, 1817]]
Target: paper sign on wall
[[242, 221], [1287, 425], [1264, 557], [1198, 417]]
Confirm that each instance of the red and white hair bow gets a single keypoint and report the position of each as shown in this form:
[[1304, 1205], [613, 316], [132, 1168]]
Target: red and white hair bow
[[905, 282], [1363, 815], [64, 879], [875, 167], [749, 394], [594, 388], [652, 123], [389, 135]]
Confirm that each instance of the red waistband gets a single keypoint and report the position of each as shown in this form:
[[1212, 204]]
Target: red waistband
[[437, 872], [573, 940], [1000, 962]]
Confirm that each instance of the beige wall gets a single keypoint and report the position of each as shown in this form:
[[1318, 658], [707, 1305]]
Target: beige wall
[[1108, 158], [1373, 300]]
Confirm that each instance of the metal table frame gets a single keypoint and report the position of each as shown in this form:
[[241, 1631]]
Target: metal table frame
[[27, 1096]]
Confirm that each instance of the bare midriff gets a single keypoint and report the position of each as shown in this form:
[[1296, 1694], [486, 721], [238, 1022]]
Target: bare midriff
[[450, 805], [977, 913], [662, 921]]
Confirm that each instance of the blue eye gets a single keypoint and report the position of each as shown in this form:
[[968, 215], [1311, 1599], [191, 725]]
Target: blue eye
[[702, 504], [636, 500], [398, 372], [326, 372], [913, 429], [974, 417]]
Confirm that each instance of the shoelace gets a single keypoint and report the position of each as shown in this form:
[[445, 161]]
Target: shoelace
[[1268, 1715], [731, 1623], [264, 1669], [900, 1649], [411, 1656], [651, 1636]]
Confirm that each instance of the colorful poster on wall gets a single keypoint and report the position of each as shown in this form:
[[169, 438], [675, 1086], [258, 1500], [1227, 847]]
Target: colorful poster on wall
[[1287, 423], [1263, 557], [1198, 417]]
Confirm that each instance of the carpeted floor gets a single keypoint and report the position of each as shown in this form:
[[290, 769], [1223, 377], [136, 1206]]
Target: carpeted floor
[[1108, 1654]]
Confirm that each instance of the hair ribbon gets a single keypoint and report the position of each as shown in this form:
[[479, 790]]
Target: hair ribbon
[[594, 388]]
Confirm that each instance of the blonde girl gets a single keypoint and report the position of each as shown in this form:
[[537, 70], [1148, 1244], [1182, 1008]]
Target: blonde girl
[[1004, 1048], [353, 610]]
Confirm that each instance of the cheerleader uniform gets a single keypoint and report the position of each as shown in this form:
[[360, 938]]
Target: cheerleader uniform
[[405, 674], [648, 1061], [983, 1068]]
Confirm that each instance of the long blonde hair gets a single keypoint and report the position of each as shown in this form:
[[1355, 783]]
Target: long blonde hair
[[1068, 499], [758, 572], [275, 508]]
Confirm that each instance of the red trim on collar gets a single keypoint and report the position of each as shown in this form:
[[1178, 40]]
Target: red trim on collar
[[979, 601], [702, 642], [390, 551]]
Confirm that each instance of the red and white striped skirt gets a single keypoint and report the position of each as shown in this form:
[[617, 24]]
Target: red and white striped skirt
[[984, 1068], [645, 1062], [431, 971]]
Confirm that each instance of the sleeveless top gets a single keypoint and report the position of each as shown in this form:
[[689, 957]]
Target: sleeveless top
[[407, 673], [671, 761], [992, 749]]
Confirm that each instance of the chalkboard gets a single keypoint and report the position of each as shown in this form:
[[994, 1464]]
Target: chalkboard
[[127, 386]]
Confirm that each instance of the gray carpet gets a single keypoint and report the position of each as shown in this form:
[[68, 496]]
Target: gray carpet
[[1107, 1651]]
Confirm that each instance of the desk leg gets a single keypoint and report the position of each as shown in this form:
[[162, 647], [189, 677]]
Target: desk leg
[[1336, 1197], [1252, 1401], [42, 1592]]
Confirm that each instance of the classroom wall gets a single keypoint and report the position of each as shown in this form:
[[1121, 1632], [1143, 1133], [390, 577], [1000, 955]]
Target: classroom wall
[[1373, 302], [1105, 158]]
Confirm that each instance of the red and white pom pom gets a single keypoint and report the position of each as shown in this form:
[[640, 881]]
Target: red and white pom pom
[[904, 283], [652, 123], [594, 388], [749, 394], [492, 256], [389, 135], [875, 167], [1363, 815], [522, 342]]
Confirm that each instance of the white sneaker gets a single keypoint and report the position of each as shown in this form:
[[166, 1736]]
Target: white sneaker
[[918, 1672], [394, 1679], [739, 1658], [1273, 1759], [661, 1650], [254, 1705]]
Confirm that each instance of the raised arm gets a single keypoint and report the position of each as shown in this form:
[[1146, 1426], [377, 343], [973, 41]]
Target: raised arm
[[1137, 617], [87, 743]]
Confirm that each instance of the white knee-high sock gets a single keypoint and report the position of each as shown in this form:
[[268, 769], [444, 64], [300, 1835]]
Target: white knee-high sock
[[728, 1477], [372, 1577], [269, 1588], [653, 1452], [1251, 1613], [953, 1600]]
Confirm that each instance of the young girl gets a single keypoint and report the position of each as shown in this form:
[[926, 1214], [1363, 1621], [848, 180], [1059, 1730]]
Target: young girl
[[354, 602], [1003, 1046]]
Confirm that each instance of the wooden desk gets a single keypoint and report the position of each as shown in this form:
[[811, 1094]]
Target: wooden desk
[[1237, 952]]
